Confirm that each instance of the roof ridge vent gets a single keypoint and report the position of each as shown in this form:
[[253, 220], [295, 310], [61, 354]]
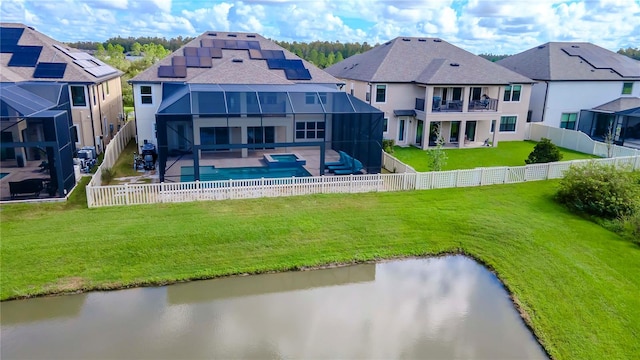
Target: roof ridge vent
[[423, 40], [251, 35], [406, 39], [236, 60], [387, 43], [541, 47], [454, 64], [232, 35], [437, 40], [575, 46], [212, 34]]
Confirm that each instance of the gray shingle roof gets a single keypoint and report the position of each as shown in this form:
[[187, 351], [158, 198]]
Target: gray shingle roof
[[572, 61], [620, 104], [423, 60], [50, 53], [227, 71]]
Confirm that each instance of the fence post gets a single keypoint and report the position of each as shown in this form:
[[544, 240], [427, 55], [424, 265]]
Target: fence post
[[126, 193], [162, 192], [506, 175]]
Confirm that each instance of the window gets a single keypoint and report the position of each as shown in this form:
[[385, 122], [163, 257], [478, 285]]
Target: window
[[401, 132], [385, 125], [103, 94], [310, 130], [381, 93], [107, 88], [508, 123], [367, 97], [627, 88], [146, 97], [512, 92], [77, 96], [568, 121], [310, 98], [529, 116], [93, 95]]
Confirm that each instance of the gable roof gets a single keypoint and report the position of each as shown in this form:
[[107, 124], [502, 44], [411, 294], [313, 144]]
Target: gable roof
[[233, 58], [425, 61], [28, 55], [572, 61]]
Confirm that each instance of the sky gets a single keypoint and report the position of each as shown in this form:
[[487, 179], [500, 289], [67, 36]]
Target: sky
[[478, 26]]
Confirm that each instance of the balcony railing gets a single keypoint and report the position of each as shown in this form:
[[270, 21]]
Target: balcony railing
[[484, 105], [446, 106]]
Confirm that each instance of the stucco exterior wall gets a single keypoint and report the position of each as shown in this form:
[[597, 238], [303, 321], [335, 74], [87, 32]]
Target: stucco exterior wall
[[146, 113]]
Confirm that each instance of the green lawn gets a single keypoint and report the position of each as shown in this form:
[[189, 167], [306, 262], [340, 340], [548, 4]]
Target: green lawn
[[578, 283], [507, 153]]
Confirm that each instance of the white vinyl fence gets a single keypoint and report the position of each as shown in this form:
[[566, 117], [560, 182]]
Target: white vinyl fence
[[255, 188], [405, 178], [113, 150], [578, 141]]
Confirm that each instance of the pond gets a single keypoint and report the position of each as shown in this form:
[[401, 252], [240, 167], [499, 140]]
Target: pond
[[447, 307]]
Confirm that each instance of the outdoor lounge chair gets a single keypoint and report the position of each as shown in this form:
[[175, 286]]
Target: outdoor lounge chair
[[356, 168], [348, 164], [343, 160]]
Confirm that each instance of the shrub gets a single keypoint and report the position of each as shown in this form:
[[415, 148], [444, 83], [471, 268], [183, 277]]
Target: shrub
[[387, 145], [107, 176], [545, 151], [600, 190]]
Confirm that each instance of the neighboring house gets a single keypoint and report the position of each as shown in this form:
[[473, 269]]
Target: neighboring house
[[94, 87], [426, 85], [576, 76], [236, 94]]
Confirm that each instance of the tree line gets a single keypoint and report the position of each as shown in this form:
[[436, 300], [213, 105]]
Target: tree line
[[127, 43], [633, 53], [324, 53]]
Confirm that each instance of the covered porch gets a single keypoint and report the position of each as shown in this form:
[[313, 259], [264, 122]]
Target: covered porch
[[619, 119]]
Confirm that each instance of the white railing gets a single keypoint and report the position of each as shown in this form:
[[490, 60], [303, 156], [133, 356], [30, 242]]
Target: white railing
[[113, 150], [578, 141], [394, 165], [127, 194]]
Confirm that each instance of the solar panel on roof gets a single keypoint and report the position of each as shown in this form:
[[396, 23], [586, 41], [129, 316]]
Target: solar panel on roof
[[49, 70], [85, 63], [272, 54], [255, 54], [190, 51], [215, 53], [285, 64], [25, 56], [205, 62], [204, 52], [297, 74], [165, 71], [179, 71], [218, 43], [243, 45], [100, 71], [231, 44], [193, 61], [179, 60], [254, 44], [9, 38], [206, 42]]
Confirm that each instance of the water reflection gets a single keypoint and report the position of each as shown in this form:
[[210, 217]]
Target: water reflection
[[437, 308]]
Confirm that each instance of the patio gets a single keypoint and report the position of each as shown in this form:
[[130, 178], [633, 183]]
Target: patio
[[30, 170], [233, 159]]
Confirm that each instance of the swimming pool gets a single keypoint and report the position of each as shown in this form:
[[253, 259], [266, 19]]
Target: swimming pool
[[210, 173], [3, 175]]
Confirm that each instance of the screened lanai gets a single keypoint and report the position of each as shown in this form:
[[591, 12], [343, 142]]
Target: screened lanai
[[196, 119], [36, 148]]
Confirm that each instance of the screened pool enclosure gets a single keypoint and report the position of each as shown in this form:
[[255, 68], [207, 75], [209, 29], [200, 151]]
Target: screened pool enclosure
[[194, 120]]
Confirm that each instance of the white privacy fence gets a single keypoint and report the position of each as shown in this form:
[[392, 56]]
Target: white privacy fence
[[579, 141], [394, 165], [255, 188], [113, 150]]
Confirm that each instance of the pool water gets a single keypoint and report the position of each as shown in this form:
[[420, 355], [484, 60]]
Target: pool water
[[210, 173], [3, 175], [284, 158]]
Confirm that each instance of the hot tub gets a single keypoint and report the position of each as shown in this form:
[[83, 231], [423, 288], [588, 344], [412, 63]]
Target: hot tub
[[285, 160]]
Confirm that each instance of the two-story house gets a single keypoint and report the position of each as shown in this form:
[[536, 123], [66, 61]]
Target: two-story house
[[581, 86], [226, 98], [431, 90], [94, 87]]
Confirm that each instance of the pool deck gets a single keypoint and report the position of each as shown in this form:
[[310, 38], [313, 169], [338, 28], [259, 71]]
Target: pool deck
[[255, 158]]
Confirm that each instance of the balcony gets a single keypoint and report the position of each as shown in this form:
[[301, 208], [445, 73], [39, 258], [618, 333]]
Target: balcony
[[438, 105], [483, 105]]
